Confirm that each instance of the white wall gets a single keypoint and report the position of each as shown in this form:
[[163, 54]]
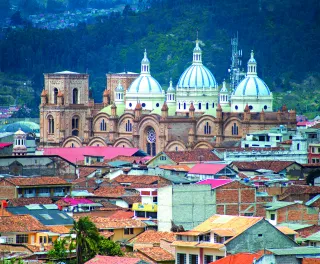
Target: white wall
[[164, 208]]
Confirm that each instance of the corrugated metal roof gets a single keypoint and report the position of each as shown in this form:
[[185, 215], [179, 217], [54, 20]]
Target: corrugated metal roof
[[314, 237], [296, 251]]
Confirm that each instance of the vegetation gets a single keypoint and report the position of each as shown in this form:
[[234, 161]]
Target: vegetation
[[311, 176], [284, 34]]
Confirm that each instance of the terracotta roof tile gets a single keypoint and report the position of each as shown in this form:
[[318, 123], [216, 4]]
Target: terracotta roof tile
[[106, 234], [275, 166], [110, 191], [138, 179], [286, 230], [237, 258], [131, 159], [122, 215], [157, 254], [34, 181], [112, 260], [301, 189], [20, 223], [132, 199], [183, 168], [59, 229], [86, 171], [26, 201], [153, 237], [109, 223], [192, 155], [107, 206]]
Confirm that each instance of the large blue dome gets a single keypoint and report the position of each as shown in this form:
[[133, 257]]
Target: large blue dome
[[252, 86], [197, 76], [145, 84]]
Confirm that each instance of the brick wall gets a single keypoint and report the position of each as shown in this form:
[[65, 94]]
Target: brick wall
[[236, 198], [298, 213], [7, 190], [305, 232], [261, 201]]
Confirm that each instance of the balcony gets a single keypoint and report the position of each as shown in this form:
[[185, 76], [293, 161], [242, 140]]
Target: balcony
[[145, 207]]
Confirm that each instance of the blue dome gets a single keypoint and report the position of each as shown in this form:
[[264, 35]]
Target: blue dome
[[252, 86], [197, 76], [145, 84]]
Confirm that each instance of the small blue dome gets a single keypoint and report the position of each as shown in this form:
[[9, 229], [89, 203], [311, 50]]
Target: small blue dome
[[145, 84], [252, 86], [197, 76]]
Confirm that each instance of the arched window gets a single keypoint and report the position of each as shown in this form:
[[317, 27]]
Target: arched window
[[103, 125], [151, 142], [55, 95], [50, 125], [75, 96], [298, 146], [199, 106], [207, 129], [184, 106], [212, 105], [235, 129], [128, 126], [75, 126], [207, 106], [179, 105]]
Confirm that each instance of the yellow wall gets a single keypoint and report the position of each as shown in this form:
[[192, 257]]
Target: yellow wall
[[119, 234]]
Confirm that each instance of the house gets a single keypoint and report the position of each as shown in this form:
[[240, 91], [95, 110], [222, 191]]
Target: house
[[29, 187], [314, 153], [302, 193], [25, 229], [313, 240], [122, 229], [148, 207], [185, 205], [296, 212], [5, 148], [188, 158], [114, 260], [139, 181], [169, 170], [69, 204], [156, 255], [47, 214], [303, 230], [26, 201], [288, 169], [202, 171], [220, 235]]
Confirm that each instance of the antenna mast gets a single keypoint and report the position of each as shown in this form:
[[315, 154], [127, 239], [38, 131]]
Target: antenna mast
[[236, 74]]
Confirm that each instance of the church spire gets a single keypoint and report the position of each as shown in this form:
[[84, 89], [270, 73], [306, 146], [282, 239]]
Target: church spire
[[252, 65], [145, 64], [197, 53]]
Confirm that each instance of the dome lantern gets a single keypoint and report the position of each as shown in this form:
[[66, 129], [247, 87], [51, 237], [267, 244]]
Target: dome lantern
[[197, 54], [252, 65], [145, 64]]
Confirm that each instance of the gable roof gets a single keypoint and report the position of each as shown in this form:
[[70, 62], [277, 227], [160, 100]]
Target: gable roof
[[215, 183], [26, 201], [157, 254], [76, 154], [314, 237], [207, 168], [192, 155], [20, 223], [179, 168], [46, 214], [153, 237], [274, 165], [299, 189], [138, 179], [109, 223], [35, 181], [113, 260], [238, 258], [110, 191]]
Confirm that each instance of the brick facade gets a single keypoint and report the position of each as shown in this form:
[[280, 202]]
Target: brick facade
[[7, 190], [298, 213]]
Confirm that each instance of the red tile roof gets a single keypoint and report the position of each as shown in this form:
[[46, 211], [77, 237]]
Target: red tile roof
[[26, 201], [5, 145], [157, 254], [153, 237], [60, 229], [20, 223], [215, 183], [237, 258], [275, 166], [112, 260], [122, 215], [183, 168], [192, 155], [34, 181], [76, 154], [138, 179], [299, 189], [86, 171], [132, 199], [110, 191], [207, 168], [109, 223]]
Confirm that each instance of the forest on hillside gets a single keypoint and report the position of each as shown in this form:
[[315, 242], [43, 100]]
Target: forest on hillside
[[284, 34]]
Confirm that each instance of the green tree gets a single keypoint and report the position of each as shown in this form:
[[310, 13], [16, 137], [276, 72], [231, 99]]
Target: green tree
[[59, 251], [109, 248], [87, 238], [312, 175]]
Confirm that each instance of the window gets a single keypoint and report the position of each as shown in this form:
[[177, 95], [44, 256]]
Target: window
[[207, 106], [298, 146], [234, 129], [55, 96], [103, 125], [143, 105], [181, 258], [50, 125], [157, 104], [212, 105], [199, 106], [163, 158], [236, 107], [155, 199], [265, 107], [248, 214], [272, 216], [277, 137], [193, 259], [46, 216], [128, 231], [43, 240], [184, 106], [75, 126], [250, 107], [208, 259], [313, 244], [22, 239], [207, 129], [130, 104], [259, 235], [128, 126], [75, 96], [219, 257]]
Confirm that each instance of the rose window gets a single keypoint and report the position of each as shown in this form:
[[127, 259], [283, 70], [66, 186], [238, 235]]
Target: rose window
[[151, 136]]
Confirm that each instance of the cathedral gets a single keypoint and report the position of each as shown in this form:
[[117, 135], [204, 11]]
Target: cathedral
[[137, 112]]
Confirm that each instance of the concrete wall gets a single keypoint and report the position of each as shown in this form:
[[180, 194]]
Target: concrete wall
[[165, 208], [258, 237]]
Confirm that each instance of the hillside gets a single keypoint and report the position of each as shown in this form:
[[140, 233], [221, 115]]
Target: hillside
[[283, 33]]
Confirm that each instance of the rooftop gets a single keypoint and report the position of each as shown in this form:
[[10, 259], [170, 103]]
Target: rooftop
[[192, 155], [314, 237], [295, 251], [237, 259], [36, 181], [153, 237], [26, 201], [277, 205], [157, 254], [20, 223], [113, 260], [215, 183], [207, 168], [276, 166], [109, 223]]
